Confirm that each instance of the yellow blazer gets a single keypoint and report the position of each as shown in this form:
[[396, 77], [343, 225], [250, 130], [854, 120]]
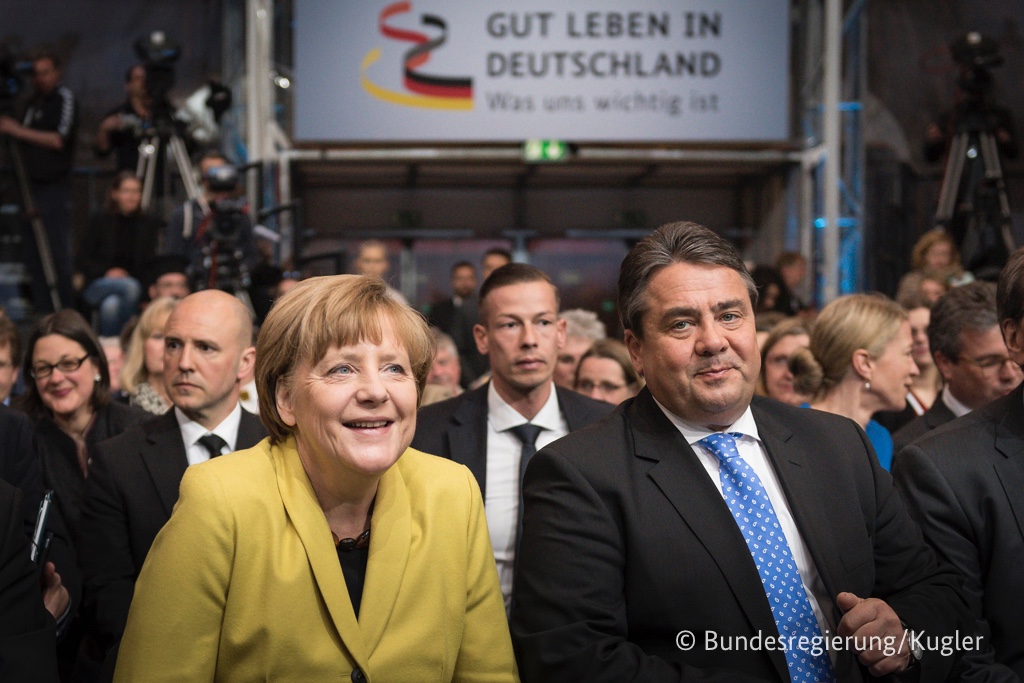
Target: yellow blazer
[[244, 584]]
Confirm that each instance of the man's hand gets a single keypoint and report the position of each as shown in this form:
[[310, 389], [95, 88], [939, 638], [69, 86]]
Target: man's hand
[[8, 126], [872, 622], [55, 595]]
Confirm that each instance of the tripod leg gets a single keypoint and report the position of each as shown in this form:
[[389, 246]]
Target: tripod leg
[[149, 151], [38, 229], [177, 147], [994, 173], [951, 181]]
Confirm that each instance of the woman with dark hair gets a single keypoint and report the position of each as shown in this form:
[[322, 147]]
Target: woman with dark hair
[[605, 373], [68, 397], [119, 241]]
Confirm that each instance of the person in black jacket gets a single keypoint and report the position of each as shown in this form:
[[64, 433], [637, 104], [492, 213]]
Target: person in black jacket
[[46, 134], [118, 243]]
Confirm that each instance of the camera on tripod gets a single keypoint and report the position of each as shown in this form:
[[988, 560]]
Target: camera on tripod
[[14, 75], [228, 217], [158, 55], [977, 55]]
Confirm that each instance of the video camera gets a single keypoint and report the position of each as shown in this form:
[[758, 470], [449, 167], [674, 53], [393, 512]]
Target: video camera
[[14, 75], [228, 216], [158, 55], [977, 55]]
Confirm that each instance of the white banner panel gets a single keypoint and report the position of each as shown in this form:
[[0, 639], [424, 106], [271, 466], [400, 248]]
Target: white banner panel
[[509, 70]]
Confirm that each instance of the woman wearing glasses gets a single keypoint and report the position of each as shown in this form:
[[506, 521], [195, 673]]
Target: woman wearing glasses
[[68, 397], [606, 373]]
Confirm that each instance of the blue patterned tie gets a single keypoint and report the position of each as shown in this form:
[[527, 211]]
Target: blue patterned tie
[[767, 543]]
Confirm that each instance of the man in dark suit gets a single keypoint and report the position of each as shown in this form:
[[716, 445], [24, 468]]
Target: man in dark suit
[[28, 634], [968, 348], [521, 334], [456, 316], [695, 532], [964, 483], [133, 483]]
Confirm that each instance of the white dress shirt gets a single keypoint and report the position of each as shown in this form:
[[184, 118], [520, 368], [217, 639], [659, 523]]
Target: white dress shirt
[[192, 431], [956, 407], [501, 500], [752, 450]]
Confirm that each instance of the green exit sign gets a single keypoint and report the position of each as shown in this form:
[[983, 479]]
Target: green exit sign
[[545, 150]]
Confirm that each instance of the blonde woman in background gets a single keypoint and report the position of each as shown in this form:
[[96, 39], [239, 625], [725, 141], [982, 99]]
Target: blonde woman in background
[[860, 360], [143, 375]]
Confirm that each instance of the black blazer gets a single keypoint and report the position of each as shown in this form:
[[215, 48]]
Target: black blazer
[[59, 456], [936, 416], [132, 489], [28, 634], [457, 428], [964, 483], [627, 542]]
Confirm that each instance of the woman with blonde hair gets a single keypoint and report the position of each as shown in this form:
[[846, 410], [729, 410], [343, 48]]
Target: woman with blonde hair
[[142, 377], [859, 361], [331, 550]]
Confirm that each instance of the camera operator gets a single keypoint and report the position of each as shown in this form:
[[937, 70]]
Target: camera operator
[[47, 137], [123, 128], [214, 227]]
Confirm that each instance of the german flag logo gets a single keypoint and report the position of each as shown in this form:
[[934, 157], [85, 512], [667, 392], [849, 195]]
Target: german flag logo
[[424, 90]]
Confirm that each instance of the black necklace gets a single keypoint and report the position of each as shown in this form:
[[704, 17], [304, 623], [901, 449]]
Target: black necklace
[[358, 543]]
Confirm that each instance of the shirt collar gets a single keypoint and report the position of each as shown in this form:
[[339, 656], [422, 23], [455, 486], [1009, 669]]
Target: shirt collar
[[745, 425], [192, 431], [951, 401], [503, 417]]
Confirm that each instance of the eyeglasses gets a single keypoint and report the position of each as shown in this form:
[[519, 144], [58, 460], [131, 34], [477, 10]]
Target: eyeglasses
[[65, 365], [988, 362], [587, 386]]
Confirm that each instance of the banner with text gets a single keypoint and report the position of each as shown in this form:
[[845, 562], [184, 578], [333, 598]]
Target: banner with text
[[503, 70]]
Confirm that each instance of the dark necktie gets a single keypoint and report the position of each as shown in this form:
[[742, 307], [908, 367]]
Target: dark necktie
[[527, 435], [213, 444], [752, 509]]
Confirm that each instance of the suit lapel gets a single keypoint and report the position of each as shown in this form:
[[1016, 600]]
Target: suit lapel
[[938, 414], [250, 431], [1010, 443], [163, 454], [685, 483], [390, 538], [810, 511], [313, 531], [467, 436]]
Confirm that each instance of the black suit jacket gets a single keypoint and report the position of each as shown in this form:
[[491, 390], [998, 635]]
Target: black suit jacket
[[964, 483], [457, 322], [627, 542], [59, 456], [132, 489], [457, 428], [936, 416], [28, 638]]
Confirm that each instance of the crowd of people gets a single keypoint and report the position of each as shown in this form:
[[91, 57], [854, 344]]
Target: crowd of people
[[497, 489], [561, 513]]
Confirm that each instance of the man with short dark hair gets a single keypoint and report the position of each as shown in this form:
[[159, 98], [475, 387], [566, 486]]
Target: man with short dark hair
[[456, 316], [964, 484], [495, 429], [47, 133], [969, 352], [124, 127], [133, 481], [698, 516], [494, 258]]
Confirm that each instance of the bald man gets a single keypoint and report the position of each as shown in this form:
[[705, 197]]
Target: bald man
[[133, 481]]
